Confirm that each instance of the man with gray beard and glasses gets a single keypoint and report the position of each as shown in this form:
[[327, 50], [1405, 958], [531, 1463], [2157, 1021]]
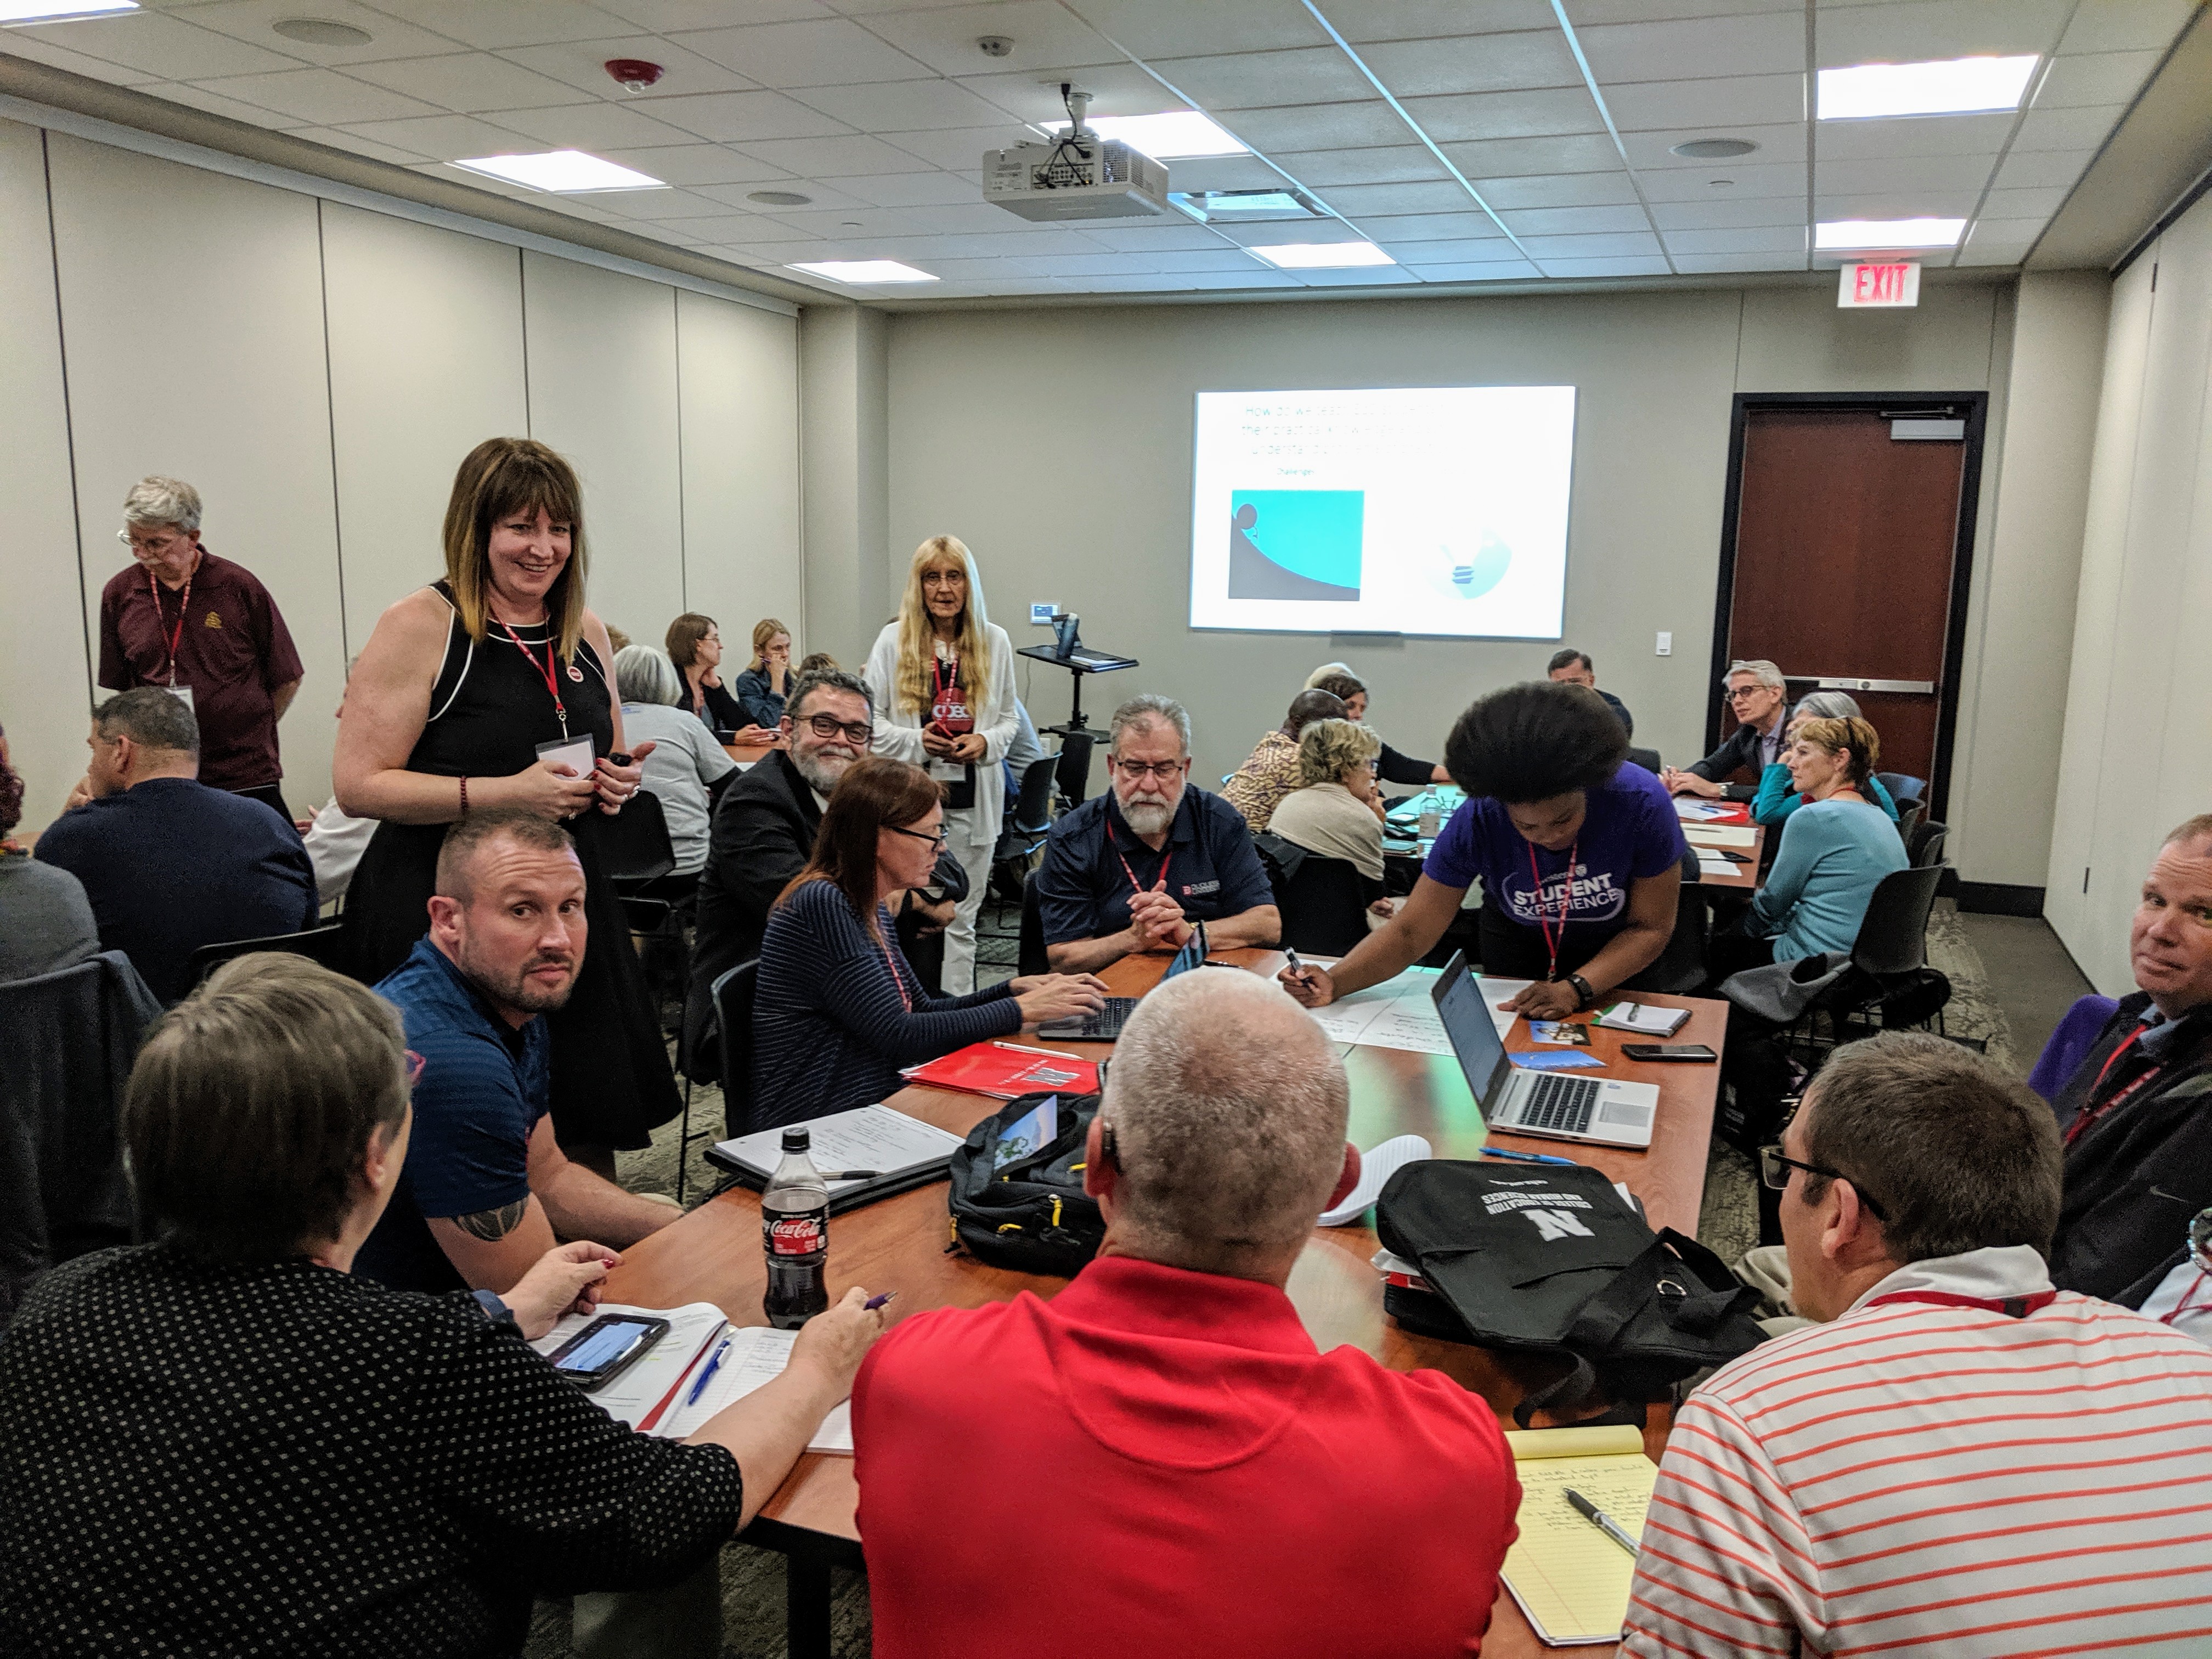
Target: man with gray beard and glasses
[[1132, 870]]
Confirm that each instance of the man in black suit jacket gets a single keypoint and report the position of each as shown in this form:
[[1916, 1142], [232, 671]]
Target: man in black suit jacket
[[762, 833], [1759, 697]]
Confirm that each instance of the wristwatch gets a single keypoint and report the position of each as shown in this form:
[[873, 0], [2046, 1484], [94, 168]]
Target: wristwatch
[[1582, 990], [497, 1311]]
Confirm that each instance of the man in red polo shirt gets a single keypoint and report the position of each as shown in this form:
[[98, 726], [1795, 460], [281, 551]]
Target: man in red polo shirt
[[183, 619], [1157, 1461]]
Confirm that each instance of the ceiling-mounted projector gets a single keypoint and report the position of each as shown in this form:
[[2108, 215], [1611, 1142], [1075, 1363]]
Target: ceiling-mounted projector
[[1079, 176]]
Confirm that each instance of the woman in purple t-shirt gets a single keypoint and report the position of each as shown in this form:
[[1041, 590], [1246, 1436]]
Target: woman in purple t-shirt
[[1578, 850]]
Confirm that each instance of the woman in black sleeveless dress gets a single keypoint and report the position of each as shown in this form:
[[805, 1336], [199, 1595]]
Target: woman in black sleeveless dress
[[469, 716]]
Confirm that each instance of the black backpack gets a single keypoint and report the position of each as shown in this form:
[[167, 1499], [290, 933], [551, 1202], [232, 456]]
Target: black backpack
[[1032, 1215], [1546, 1260]]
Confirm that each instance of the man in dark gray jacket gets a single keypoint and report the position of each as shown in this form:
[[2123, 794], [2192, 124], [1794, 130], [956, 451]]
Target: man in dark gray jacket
[[1758, 696]]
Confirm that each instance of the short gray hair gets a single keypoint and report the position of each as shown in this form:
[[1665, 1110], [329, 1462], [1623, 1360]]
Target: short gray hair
[[1228, 1105], [826, 679], [1148, 708], [151, 717], [1826, 706], [644, 674], [1762, 672], [156, 500]]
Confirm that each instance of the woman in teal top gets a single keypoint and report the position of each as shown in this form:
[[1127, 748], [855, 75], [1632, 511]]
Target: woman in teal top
[[1778, 796], [1836, 849]]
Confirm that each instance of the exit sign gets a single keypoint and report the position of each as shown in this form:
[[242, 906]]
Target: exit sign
[[1890, 282]]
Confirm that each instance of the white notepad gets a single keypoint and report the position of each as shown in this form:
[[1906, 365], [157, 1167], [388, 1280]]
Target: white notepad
[[1718, 835], [757, 1355], [867, 1138], [1375, 1168]]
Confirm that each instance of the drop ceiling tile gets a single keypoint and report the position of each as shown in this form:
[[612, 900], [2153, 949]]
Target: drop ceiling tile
[[1544, 249], [583, 65], [1518, 62], [39, 47], [1177, 235], [831, 158], [505, 22], [320, 96], [1894, 204], [468, 82], [845, 224], [1217, 258], [1558, 190], [1046, 37], [1919, 135], [2068, 129], [981, 270], [1993, 253], [1936, 28], [1451, 252], [1575, 220], [1517, 157], [2037, 169], [1326, 127], [1473, 225], [913, 190], [1119, 88], [745, 117], [1223, 172], [1703, 265], [1021, 243], [1483, 115], [1654, 151], [215, 104], [694, 164], [592, 126], [1177, 28], [1089, 265], [1652, 266], [972, 216], [1724, 214], [1357, 277], [1588, 13], [1364, 20], [159, 45], [1358, 200], [2103, 77], [2007, 229], [1686, 49], [250, 21], [352, 145], [745, 230], [2038, 205], [2126, 25], [1923, 173], [960, 150], [1258, 275], [671, 204], [901, 106], [1388, 164], [1717, 105], [453, 175], [1484, 270], [1684, 184], [1772, 239], [448, 137], [827, 52], [670, 16], [1260, 80], [821, 198]]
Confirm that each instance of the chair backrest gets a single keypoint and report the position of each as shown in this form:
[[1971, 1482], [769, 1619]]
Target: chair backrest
[[1073, 772], [1323, 904], [1681, 968], [634, 844], [1902, 786], [1924, 847], [1909, 814], [1646, 758], [1894, 934], [326, 945], [732, 996], [1031, 958], [1033, 808]]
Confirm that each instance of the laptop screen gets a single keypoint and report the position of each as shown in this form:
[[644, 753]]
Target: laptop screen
[[1467, 1022]]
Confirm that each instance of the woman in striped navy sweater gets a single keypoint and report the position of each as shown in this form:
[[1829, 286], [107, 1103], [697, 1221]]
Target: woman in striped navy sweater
[[837, 1011]]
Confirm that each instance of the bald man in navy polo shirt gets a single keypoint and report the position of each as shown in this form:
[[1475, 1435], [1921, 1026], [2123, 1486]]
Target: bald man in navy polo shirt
[[1132, 869]]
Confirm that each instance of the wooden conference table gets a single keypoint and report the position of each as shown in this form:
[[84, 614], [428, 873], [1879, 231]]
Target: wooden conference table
[[714, 1255]]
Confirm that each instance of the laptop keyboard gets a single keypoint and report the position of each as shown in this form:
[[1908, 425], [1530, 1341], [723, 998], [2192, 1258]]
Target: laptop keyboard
[[1102, 1025], [1560, 1103]]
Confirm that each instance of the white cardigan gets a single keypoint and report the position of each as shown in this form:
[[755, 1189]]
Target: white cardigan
[[898, 731]]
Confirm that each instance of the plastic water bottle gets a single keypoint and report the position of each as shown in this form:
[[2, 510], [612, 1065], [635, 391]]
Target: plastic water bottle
[[1432, 815], [795, 1235]]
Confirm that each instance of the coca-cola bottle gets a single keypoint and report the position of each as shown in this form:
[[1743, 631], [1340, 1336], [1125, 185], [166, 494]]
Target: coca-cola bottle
[[795, 1234]]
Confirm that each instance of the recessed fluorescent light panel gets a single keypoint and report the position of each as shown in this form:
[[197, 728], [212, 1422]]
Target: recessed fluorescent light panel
[[865, 270], [60, 11], [1179, 135], [1247, 204], [1323, 256], [1957, 85], [1836, 235], [564, 172]]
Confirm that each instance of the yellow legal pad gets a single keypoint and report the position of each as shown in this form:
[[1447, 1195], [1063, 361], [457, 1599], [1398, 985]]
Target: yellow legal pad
[[1569, 1578]]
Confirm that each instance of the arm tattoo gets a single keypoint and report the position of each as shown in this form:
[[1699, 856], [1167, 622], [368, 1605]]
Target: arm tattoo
[[492, 1226]]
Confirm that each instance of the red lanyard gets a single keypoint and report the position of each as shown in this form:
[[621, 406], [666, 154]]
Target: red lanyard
[[2188, 1298], [176, 633], [2013, 1307], [1566, 900], [1136, 886], [552, 684], [882, 940], [2089, 1114]]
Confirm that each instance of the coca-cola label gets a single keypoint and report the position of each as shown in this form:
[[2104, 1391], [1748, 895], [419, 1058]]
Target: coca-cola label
[[797, 1235]]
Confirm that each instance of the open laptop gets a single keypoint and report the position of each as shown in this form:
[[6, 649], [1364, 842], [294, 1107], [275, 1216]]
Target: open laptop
[[1601, 1110], [1104, 1024]]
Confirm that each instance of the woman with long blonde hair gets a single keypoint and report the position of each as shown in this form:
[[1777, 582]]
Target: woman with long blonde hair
[[942, 675]]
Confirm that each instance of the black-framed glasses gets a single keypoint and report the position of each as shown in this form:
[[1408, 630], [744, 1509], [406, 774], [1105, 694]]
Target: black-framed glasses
[[1774, 1170], [829, 725], [937, 841], [1163, 770]]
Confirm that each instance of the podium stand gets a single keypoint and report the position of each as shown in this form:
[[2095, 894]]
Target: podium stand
[[1076, 737]]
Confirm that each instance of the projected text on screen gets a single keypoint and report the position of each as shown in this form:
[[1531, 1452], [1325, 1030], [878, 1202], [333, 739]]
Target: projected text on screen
[[1418, 510]]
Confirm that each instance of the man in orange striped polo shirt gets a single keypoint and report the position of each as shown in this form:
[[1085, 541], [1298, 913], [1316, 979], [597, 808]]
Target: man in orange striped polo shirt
[[1957, 1460]]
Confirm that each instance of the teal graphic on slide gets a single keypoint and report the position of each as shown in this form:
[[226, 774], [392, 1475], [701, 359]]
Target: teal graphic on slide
[[1295, 544], [1471, 577]]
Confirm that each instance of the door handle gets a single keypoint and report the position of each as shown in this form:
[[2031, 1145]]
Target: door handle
[[1837, 683]]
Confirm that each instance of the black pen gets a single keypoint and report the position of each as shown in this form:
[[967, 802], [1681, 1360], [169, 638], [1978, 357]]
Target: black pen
[[1598, 1518], [850, 1175], [1298, 968]]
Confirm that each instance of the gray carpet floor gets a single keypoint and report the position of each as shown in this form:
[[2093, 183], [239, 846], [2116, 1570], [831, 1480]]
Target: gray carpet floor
[[752, 1579]]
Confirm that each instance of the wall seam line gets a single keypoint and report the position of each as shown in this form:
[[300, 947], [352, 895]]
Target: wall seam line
[[683, 472], [331, 410], [69, 416]]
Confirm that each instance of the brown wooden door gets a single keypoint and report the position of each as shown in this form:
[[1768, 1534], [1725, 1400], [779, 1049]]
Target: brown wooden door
[[1846, 550]]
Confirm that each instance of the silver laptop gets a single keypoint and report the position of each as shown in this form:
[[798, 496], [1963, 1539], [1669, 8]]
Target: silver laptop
[[1558, 1105]]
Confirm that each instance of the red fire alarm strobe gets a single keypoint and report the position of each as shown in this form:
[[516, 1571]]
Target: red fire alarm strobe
[[635, 73], [1879, 282]]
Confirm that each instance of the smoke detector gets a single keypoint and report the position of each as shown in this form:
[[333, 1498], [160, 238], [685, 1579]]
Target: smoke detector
[[634, 74], [321, 32], [994, 46]]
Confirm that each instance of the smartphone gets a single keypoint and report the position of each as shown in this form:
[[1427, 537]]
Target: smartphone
[[1690, 1053], [607, 1348]]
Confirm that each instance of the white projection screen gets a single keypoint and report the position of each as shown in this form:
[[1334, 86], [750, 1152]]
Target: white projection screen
[[1437, 510]]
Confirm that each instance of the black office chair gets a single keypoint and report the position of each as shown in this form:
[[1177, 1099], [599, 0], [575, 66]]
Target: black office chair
[[1322, 901], [634, 844], [1909, 814], [1902, 786], [1031, 958], [1924, 847], [326, 945], [1028, 822], [1073, 774], [732, 995], [1646, 758], [1681, 969]]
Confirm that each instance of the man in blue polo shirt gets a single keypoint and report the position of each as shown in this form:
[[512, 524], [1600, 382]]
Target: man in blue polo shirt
[[1130, 870], [486, 1187]]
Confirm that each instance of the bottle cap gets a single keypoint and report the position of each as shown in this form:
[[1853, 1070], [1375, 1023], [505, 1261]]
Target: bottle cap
[[797, 1139]]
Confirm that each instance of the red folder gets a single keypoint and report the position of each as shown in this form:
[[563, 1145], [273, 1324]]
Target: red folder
[[1004, 1070]]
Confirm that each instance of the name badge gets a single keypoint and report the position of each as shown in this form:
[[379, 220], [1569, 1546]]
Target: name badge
[[181, 692], [947, 771]]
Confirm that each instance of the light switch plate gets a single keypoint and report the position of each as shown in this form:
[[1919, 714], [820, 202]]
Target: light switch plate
[[1041, 616], [1666, 647]]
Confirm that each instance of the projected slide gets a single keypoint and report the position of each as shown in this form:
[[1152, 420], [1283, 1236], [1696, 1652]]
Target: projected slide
[[1428, 510]]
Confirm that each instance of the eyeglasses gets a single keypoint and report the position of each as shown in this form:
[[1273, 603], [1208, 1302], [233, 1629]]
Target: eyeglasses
[[1163, 770], [1774, 1170], [415, 1065], [829, 725], [937, 841], [1736, 691]]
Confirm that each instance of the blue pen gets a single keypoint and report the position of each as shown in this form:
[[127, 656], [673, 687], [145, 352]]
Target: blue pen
[[1527, 1158], [713, 1365]]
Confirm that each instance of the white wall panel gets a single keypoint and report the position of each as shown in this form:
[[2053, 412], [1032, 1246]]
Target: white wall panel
[[426, 362], [738, 382], [192, 325], [46, 677], [603, 391]]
